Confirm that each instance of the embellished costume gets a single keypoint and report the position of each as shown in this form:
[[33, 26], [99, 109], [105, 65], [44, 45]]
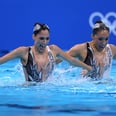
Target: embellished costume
[[32, 71], [90, 59]]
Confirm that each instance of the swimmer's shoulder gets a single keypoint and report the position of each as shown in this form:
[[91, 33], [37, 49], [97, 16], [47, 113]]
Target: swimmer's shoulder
[[112, 46], [54, 47], [113, 49], [78, 48], [22, 49], [21, 52]]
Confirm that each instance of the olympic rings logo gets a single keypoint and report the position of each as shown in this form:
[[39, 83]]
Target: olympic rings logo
[[106, 19]]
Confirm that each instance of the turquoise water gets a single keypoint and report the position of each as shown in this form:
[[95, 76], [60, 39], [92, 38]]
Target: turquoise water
[[63, 94]]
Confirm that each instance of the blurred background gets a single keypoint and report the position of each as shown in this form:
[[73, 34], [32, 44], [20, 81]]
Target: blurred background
[[70, 21]]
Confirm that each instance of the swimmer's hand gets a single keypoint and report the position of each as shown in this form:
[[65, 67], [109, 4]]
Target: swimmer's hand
[[99, 71], [29, 84], [85, 72], [90, 69]]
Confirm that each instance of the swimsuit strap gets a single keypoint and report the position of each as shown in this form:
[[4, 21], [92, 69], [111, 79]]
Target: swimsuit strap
[[89, 58], [50, 55]]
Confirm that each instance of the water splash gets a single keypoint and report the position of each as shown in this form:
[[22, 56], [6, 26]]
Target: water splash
[[68, 78]]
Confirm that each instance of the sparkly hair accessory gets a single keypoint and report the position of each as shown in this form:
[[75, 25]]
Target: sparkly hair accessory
[[97, 25], [36, 27]]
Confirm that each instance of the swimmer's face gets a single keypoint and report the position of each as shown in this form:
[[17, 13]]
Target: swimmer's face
[[101, 39], [42, 39]]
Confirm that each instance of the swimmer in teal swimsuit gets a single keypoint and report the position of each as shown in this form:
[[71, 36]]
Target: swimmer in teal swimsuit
[[96, 53], [38, 60]]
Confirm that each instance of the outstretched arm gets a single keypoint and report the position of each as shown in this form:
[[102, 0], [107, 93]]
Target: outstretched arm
[[13, 54], [70, 59], [74, 52], [58, 60]]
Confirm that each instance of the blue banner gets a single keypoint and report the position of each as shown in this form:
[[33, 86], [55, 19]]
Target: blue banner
[[70, 21]]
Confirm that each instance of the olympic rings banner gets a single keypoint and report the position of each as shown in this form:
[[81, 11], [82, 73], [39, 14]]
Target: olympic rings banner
[[106, 19], [70, 21]]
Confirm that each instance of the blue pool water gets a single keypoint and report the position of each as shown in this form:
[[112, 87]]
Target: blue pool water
[[63, 94]]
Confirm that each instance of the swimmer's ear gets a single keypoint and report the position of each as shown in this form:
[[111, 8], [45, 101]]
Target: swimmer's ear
[[93, 36], [33, 36]]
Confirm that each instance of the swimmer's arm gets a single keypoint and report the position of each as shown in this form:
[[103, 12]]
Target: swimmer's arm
[[74, 52], [113, 48], [17, 53], [58, 60], [71, 60]]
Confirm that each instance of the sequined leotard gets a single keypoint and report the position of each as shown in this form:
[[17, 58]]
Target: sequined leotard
[[91, 60], [32, 71]]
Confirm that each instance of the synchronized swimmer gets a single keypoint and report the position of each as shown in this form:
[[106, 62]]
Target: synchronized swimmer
[[96, 53], [38, 60]]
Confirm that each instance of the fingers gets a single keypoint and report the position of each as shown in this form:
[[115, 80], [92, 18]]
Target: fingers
[[84, 72]]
